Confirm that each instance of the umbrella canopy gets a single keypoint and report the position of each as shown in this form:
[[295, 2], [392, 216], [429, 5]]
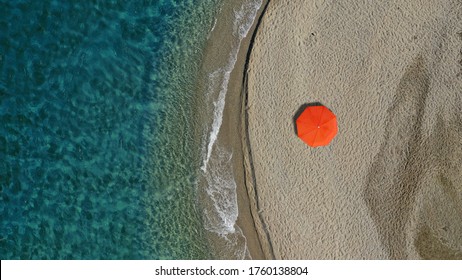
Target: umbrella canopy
[[316, 126]]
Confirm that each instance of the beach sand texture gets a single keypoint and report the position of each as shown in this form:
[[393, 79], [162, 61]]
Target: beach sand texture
[[389, 186]]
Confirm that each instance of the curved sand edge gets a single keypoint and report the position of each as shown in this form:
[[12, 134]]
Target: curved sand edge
[[261, 229]]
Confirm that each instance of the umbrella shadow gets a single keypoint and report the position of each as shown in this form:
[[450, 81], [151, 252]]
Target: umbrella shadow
[[300, 111]]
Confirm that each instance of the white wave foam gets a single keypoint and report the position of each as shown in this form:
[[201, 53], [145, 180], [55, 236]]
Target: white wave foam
[[214, 24], [245, 17], [243, 21], [222, 214]]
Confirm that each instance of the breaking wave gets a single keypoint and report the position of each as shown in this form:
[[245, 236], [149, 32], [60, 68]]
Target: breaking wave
[[221, 208], [243, 21]]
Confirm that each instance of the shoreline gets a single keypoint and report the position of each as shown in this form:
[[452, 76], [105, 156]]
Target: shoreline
[[229, 138], [234, 131]]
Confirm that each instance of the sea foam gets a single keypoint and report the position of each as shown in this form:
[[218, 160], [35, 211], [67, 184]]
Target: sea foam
[[243, 21], [221, 189], [221, 209]]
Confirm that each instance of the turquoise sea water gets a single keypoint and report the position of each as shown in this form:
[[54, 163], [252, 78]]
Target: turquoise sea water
[[93, 98]]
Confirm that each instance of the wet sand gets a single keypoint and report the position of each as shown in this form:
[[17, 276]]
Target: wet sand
[[229, 139], [232, 130], [389, 186]]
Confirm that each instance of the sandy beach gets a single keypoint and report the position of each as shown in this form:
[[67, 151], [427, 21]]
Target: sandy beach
[[389, 186]]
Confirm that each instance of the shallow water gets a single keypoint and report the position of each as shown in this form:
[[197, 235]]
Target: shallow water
[[109, 118], [93, 98]]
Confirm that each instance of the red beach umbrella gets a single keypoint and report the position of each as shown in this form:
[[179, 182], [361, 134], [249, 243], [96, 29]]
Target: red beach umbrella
[[316, 126]]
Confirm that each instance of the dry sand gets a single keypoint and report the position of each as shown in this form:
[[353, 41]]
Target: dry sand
[[389, 186]]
